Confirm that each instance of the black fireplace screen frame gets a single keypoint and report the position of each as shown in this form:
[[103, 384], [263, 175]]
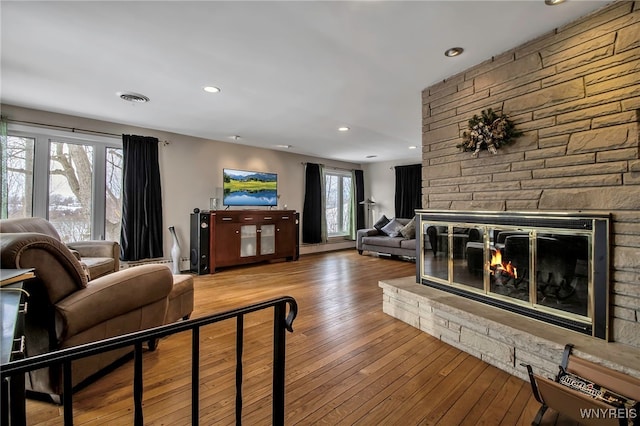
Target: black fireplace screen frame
[[595, 224]]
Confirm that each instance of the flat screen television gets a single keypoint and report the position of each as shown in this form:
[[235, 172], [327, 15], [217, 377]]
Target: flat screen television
[[248, 188]]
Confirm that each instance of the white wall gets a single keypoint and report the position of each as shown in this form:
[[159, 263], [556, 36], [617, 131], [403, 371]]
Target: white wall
[[191, 169], [380, 186]]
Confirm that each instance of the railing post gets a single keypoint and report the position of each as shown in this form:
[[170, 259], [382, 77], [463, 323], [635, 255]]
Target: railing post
[[67, 393], [195, 376], [63, 359], [239, 349], [279, 326], [138, 419]]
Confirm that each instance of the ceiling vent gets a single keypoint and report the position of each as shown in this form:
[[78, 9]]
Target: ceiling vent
[[132, 97]]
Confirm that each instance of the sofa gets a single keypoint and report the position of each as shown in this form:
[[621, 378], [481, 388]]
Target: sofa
[[97, 257], [382, 239], [68, 307]]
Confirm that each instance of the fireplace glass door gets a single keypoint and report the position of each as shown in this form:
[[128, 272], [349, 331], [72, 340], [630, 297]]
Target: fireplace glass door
[[544, 269]]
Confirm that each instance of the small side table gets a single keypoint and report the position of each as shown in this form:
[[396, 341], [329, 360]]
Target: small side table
[[13, 307]]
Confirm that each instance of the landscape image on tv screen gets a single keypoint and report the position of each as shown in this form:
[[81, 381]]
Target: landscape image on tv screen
[[246, 188]]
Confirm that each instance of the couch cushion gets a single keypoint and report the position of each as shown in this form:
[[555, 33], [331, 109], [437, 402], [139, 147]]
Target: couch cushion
[[180, 299], [393, 228], [98, 266], [382, 241], [408, 244]]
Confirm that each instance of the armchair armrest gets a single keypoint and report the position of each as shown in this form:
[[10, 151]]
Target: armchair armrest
[[364, 233], [55, 265], [97, 248], [75, 253], [110, 296]]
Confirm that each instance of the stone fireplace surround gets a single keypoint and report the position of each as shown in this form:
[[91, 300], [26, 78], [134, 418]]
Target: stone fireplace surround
[[498, 337], [575, 93], [504, 337]]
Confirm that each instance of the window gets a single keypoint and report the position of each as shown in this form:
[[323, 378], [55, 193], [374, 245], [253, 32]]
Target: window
[[113, 194], [71, 189], [72, 180], [338, 202], [17, 177]]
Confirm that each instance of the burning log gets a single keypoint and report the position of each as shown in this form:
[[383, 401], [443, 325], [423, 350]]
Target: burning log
[[498, 266]]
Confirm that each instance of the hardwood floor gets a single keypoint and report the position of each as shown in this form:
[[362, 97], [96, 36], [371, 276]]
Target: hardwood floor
[[347, 363]]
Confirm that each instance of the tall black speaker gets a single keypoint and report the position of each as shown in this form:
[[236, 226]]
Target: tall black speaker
[[200, 242], [297, 255]]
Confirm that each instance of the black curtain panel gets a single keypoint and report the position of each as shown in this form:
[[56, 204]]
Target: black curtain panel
[[312, 210], [141, 232], [359, 198], [408, 190]]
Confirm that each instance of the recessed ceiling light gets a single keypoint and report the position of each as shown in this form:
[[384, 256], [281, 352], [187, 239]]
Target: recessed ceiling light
[[553, 2], [343, 129], [211, 89], [132, 97], [454, 51], [413, 147]]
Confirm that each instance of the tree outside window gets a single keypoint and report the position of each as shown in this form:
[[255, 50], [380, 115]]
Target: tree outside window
[[17, 177], [71, 190]]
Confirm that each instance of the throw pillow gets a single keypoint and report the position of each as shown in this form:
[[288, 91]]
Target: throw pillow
[[409, 230], [381, 223], [392, 228]]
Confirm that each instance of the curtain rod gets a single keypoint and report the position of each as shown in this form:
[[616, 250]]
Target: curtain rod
[[329, 167], [73, 129], [55, 126]]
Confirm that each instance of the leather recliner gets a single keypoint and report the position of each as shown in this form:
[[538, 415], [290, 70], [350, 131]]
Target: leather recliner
[[67, 309]]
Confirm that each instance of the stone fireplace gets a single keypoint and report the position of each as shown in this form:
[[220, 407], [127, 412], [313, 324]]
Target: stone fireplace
[[552, 267], [575, 94]]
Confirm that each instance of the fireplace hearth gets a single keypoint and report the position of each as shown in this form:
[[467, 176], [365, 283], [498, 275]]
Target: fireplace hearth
[[551, 266]]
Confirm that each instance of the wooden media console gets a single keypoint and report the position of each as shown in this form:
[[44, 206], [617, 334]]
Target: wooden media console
[[248, 236]]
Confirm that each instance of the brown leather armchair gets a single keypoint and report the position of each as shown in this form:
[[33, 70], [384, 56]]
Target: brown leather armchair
[[66, 309], [98, 257]]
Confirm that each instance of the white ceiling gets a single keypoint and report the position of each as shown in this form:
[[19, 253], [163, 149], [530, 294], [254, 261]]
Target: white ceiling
[[290, 72]]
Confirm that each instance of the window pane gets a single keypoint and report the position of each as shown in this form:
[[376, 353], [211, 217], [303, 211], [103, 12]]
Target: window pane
[[17, 177], [331, 203], [346, 205], [113, 194], [70, 190], [338, 203]]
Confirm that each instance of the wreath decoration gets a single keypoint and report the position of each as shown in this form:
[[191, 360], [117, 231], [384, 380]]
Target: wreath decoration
[[489, 131]]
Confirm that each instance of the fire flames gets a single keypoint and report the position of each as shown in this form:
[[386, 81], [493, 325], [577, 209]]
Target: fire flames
[[497, 265]]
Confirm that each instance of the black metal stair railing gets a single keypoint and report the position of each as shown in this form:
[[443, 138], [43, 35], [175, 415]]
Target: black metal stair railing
[[282, 322]]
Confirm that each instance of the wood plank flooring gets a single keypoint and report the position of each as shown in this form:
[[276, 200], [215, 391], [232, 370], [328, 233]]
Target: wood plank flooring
[[347, 363]]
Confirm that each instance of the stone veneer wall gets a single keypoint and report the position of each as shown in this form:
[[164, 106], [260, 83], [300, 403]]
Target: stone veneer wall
[[575, 93], [501, 338]]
